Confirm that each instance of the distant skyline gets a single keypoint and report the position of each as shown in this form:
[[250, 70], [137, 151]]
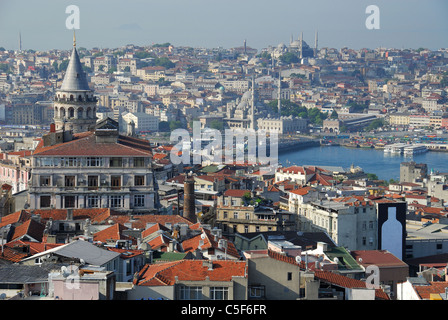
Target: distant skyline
[[225, 23]]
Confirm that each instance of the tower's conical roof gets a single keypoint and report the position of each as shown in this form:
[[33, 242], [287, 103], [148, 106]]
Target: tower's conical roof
[[75, 78]]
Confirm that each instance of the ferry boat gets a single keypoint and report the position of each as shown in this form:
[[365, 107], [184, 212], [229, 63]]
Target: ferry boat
[[414, 149]]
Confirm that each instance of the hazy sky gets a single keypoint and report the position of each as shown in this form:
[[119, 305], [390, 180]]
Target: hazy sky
[[225, 23]]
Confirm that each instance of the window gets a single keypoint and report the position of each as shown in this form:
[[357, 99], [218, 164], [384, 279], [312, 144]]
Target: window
[[247, 215], [115, 182], [115, 201], [45, 181], [190, 293], [45, 201], [116, 162], [289, 276], [246, 229], [69, 162], [219, 293], [364, 226], [139, 180], [94, 162], [370, 225], [93, 201], [69, 181], [46, 162], [69, 201], [225, 215], [235, 215], [92, 182], [256, 292], [139, 200], [139, 162], [438, 246], [364, 241]]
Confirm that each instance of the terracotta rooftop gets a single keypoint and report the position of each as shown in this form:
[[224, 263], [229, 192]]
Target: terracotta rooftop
[[30, 228], [84, 144], [425, 291], [381, 258], [190, 270], [235, 193]]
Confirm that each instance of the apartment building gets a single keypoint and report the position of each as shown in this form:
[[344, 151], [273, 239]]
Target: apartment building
[[93, 169], [351, 222]]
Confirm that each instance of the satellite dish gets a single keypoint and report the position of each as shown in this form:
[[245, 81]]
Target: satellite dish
[[336, 260], [298, 259], [65, 272], [82, 262], [3, 296], [203, 236], [360, 260]]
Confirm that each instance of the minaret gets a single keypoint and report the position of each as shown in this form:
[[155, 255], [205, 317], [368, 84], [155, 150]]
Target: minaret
[[74, 102], [301, 45], [20, 41], [279, 92], [252, 116], [245, 47], [315, 45]]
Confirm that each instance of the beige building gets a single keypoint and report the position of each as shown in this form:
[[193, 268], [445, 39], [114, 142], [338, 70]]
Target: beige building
[[245, 219], [399, 119], [283, 125]]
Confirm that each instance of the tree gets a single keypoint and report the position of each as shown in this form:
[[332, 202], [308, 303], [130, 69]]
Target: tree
[[101, 67], [372, 176], [334, 115], [175, 125], [216, 124], [164, 62], [164, 126], [127, 69], [4, 67], [289, 58], [112, 70], [63, 66]]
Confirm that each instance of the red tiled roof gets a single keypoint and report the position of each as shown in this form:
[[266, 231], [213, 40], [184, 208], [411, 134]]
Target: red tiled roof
[[140, 221], [114, 232], [292, 169], [34, 247], [235, 193], [126, 253], [160, 243], [190, 245], [30, 228], [190, 270], [15, 217], [346, 282], [11, 254], [94, 214], [433, 288], [152, 229], [377, 257], [85, 144], [302, 191]]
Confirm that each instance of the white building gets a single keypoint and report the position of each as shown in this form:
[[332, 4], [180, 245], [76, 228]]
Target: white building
[[142, 121], [350, 222]]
